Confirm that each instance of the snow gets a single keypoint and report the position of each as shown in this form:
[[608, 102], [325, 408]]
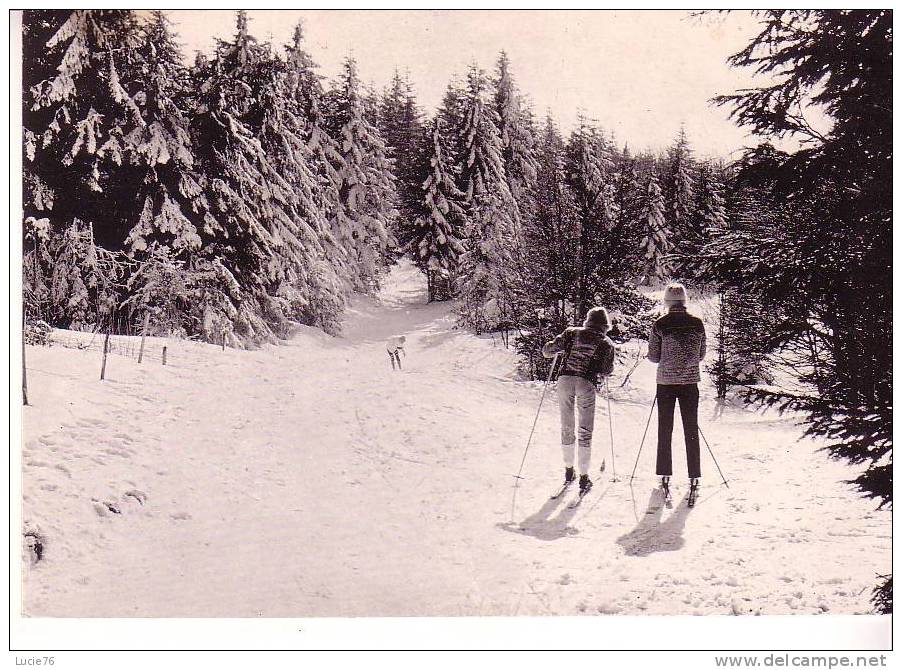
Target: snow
[[308, 479]]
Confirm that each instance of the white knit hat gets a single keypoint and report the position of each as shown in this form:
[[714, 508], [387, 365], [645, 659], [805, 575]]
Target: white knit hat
[[675, 293]]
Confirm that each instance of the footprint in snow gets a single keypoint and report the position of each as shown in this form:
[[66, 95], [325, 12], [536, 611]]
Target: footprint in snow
[[34, 544], [136, 495], [105, 507]]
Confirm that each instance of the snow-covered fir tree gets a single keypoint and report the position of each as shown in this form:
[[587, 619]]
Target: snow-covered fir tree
[[85, 280], [451, 115], [708, 218], [590, 177], [710, 211], [158, 155], [493, 234], [311, 289], [655, 243], [628, 203], [515, 128], [401, 124], [438, 229], [553, 231], [366, 181], [680, 187], [251, 202], [305, 88], [76, 114], [549, 240]]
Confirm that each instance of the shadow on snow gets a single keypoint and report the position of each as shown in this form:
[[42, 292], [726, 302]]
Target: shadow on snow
[[651, 534]]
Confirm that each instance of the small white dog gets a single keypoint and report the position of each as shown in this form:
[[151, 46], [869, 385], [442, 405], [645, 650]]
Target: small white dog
[[393, 346]]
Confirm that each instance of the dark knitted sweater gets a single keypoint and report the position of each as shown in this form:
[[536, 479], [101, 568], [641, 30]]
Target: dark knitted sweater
[[590, 352]]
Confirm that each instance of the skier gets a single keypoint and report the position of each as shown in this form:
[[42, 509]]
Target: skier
[[587, 352], [393, 346], [677, 345]]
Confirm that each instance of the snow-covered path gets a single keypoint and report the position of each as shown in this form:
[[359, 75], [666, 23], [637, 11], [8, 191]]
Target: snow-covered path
[[308, 479]]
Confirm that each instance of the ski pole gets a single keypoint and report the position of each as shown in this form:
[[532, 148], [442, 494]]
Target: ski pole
[[642, 443], [712, 456], [611, 429], [536, 420]]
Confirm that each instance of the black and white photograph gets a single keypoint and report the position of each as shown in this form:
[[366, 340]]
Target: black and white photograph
[[429, 315]]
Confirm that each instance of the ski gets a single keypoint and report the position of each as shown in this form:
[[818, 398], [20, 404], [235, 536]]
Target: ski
[[582, 494], [561, 491]]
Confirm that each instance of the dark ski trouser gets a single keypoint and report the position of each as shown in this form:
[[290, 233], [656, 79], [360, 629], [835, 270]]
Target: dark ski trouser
[[687, 394], [394, 356]]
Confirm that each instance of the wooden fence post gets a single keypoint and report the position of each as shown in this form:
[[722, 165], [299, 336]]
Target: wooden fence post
[[143, 335], [106, 347], [164, 355], [24, 380]]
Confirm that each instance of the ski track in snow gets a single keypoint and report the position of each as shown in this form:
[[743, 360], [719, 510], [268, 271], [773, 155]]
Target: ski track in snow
[[308, 479]]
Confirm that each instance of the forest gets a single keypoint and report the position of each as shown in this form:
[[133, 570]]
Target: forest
[[232, 198]]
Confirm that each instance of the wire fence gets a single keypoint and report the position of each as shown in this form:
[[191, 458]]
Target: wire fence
[[128, 346], [170, 351]]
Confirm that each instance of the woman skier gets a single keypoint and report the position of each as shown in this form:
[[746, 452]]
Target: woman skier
[[677, 345], [587, 353]]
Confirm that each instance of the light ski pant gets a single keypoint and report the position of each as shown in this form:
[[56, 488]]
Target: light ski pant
[[395, 356], [687, 394], [576, 395]]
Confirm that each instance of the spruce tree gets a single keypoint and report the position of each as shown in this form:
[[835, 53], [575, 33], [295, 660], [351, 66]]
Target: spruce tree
[[438, 230], [739, 342], [451, 113], [305, 90], [680, 187], [310, 288], [400, 122], [366, 182], [79, 113], [554, 230], [832, 200], [251, 201], [158, 156], [708, 219], [709, 214], [488, 267], [628, 197], [517, 138], [655, 243], [76, 114], [590, 179], [550, 246]]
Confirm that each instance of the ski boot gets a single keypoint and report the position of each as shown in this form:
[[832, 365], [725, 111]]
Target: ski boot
[[585, 484], [693, 492], [665, 486], [569, 475]]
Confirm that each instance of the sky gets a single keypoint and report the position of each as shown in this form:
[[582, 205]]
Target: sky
[[640, 74]]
